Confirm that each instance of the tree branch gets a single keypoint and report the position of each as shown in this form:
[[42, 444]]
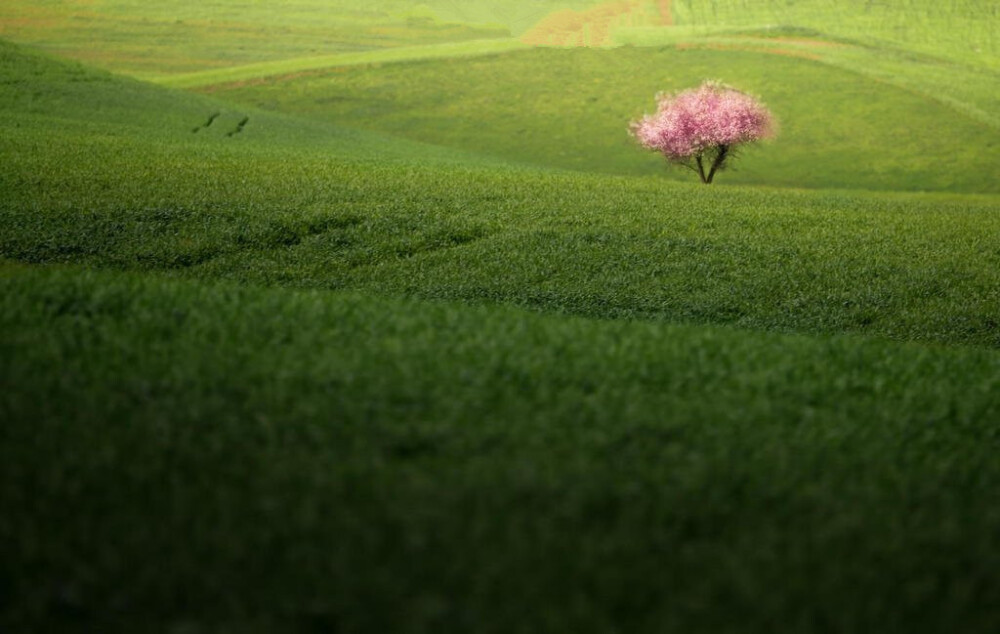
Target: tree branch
[[686, 164]]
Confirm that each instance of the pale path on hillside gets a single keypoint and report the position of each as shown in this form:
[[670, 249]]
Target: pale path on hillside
[[302, 64]]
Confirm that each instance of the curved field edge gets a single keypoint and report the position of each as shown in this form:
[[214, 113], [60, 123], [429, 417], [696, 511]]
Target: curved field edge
[[390, 453], [265, 70]]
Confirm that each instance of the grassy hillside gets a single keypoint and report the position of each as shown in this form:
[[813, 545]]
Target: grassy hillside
[[571, 108], [342, 210], [271, 374], [76, 108]]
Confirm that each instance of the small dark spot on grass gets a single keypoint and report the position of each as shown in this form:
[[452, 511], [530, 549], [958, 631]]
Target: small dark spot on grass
[[239, 127], [211, 119]]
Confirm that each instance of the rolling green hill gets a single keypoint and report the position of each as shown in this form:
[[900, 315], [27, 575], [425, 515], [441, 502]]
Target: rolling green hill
[[266, 372], [74, 106], [571, 108]]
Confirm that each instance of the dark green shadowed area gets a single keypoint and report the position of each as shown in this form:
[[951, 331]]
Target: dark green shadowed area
[[221, 457]]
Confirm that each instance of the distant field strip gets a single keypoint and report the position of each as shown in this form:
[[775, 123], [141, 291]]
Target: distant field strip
[[966, 31], [304, 64], [594, 26]]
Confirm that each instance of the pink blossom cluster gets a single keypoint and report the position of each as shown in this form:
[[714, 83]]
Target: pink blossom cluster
[[690, 122]]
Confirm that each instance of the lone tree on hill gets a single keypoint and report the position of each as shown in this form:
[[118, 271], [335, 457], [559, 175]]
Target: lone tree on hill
[[701, 128]]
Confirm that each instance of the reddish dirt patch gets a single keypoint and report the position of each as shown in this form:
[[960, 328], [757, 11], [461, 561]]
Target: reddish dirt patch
[[666, 15], [592, 27]]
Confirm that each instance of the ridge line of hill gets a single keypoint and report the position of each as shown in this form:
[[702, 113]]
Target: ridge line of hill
[[302, 64]]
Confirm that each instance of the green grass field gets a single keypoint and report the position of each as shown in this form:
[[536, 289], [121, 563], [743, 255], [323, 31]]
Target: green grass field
[[405, 334]]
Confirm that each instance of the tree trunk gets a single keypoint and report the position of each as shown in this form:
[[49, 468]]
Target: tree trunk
[[720, 158]]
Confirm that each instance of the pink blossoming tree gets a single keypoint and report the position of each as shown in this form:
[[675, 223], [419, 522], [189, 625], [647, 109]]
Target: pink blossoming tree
[[701, 128]]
